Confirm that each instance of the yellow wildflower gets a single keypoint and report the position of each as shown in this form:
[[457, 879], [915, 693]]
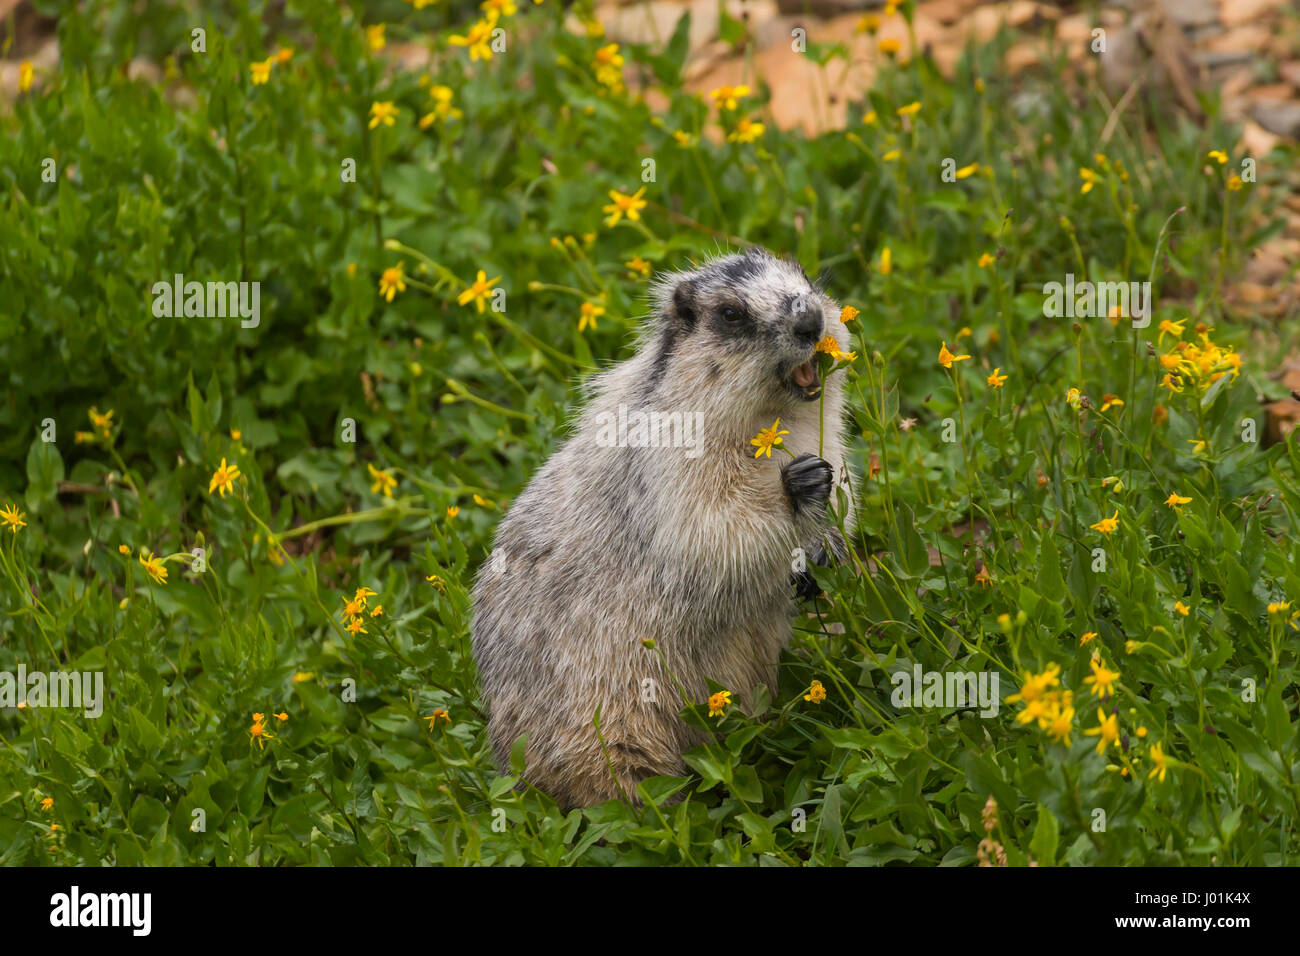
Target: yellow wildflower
[[155, 568], [946, 358], [1102, 679], [1161, 762], [12, 517], [1168, 327], [383, 481], [746, 131], [382, 112], [728, 97], [478, 38], [624, 205], [1035, 685], [479, 291], [1107, 732], [223, 479], [1107, 525], [767, 438], [391, 282], [588, 314]]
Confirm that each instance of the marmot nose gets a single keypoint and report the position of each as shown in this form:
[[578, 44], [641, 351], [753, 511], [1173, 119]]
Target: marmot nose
[[808, 326]]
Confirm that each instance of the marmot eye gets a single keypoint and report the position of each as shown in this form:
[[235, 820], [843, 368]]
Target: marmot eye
[[732, 314]]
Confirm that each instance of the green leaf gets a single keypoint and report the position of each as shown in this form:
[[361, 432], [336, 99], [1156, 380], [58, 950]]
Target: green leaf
[[745, 784], [984, 779], [730, 30], [1277, 725], [519, 755], [1046, 836], [1050, 583], [44, 472], [909, 546], [252, 793]]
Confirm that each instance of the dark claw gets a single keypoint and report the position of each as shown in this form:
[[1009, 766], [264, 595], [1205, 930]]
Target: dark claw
[[807, 481], [806, 586]]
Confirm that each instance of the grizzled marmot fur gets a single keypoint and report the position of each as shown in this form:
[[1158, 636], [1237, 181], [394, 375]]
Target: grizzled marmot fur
[[612, 544]]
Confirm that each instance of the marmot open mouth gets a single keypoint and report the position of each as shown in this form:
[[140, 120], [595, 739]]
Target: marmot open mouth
[[806, 380]]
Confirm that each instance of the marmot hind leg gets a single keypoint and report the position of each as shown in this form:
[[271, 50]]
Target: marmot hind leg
[[599, 775]]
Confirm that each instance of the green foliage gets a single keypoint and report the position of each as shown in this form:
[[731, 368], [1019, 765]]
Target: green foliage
[[976, 554]]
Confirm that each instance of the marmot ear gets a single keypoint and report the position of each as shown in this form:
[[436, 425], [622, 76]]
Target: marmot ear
[[681, 304]]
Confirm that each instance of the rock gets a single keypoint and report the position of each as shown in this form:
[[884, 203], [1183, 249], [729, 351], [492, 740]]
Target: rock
[[945, 11], [1281, 117], [1282, 420], [1251, 38], [825, 8], [1075, 32], [1215, 59], [1237, 12], [1191, 13], [1271, 91], [1256, 140]]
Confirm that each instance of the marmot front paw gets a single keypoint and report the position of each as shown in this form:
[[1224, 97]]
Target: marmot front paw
[[807, 480]]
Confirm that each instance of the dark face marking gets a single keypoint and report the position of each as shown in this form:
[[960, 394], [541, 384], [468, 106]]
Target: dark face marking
[[741, 269], [796, 303], [732, 320], [684, 303], [663, 353]]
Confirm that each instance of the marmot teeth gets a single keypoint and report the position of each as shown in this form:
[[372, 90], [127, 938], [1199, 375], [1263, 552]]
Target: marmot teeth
[[805, 375]]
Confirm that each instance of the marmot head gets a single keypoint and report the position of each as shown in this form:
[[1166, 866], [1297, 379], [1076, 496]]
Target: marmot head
[[743, 328]]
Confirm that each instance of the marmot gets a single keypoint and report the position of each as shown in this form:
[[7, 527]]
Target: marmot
[[610, 544]]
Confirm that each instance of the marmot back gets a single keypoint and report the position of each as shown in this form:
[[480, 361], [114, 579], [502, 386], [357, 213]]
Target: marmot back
[[656, 520]]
